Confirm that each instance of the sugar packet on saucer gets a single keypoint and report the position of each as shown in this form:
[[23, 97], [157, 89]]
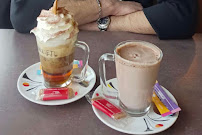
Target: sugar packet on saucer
[[55, 94]]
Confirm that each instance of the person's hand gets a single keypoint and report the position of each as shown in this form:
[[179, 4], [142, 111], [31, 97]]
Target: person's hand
[[117, 8]]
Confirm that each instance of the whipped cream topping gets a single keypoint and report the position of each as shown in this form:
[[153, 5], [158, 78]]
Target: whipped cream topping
[[51, 26]]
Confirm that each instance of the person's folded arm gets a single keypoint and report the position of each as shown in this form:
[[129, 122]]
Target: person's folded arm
[[86, 11], [171, 19], [144, 3], [134, 22], [23, 13]]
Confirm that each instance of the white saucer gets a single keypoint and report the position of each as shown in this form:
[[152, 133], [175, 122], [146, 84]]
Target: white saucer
[[149, 124], [30, 77]]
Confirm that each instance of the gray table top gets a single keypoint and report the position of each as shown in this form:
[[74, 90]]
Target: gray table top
[[180, 72]]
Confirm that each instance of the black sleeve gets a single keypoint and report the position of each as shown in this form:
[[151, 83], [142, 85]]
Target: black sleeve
[[5, 22], [23, 13], [173, 19]]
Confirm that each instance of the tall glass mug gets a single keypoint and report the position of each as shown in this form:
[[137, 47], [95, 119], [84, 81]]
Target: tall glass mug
[[137, 65], [56, 36], [57, 62]]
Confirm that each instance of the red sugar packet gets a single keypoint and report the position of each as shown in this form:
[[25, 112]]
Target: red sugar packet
[[108, 108], [55, 94]]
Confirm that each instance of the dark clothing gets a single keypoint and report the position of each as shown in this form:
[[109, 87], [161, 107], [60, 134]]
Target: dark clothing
[[5, 14], [21, 14], [171, 19], [24, 13]]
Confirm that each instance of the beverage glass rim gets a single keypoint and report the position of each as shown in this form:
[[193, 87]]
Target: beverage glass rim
[[140, 41]]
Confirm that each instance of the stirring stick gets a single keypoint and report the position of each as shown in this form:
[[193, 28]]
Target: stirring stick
[[55, 6]]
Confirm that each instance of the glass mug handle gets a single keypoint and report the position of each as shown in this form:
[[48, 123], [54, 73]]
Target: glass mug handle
[[79, 77], [102, 71]]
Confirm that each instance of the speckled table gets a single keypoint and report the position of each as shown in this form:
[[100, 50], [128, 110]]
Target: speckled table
[[180, 72]]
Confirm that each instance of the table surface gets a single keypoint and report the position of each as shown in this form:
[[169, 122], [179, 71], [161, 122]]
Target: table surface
[[180, 73]]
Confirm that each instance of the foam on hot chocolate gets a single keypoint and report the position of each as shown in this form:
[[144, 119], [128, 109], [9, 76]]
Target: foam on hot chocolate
[[137, 54]]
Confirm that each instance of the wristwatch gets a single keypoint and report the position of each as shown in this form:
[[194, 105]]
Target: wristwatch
[[103, 23]]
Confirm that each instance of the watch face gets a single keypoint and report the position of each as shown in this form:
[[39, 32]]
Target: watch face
[[103, 20], [103, 23]]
